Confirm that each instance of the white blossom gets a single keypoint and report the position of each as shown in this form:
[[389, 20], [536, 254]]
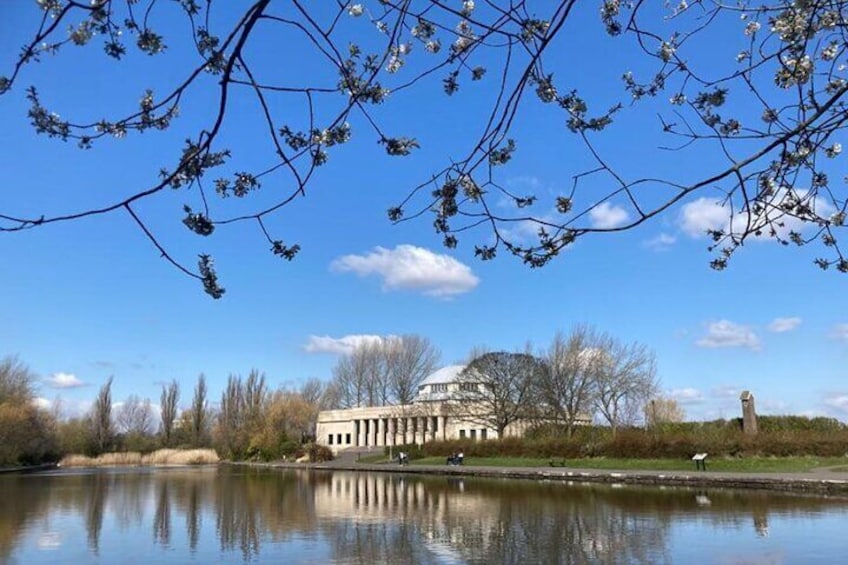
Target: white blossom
[[830, 52], [678, 99], [833, 150], [752, 28], [355, 10]]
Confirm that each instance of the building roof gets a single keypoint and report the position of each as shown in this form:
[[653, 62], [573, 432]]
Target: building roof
[[447, 374]]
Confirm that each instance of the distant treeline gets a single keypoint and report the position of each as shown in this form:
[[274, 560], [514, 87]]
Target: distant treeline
[[253, 421]]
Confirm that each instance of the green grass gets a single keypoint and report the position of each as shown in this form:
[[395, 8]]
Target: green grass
[[738, 465], [374, 459]]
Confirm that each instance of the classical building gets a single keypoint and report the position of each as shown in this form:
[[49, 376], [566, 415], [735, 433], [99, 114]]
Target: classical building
[[429, 417]]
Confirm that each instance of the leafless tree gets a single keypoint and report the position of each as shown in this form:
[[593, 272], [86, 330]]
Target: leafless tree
[[383, 372], [762, 116], [351, 379], [169, 400], [409, 359], [495, 389], [199, 413], [100, 418], [312, 390], [16, 380], [256, 397], [231, 418], [626, 379], [135, 416], [662, 410], [566, 391]]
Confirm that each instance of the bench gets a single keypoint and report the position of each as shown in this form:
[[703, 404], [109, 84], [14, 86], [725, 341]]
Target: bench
[[557, 462], [700, 460]]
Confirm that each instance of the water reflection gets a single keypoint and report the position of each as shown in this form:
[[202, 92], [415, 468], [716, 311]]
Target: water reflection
[[301, 516]]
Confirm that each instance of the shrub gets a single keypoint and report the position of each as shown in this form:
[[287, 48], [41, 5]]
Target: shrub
[[319, 453]]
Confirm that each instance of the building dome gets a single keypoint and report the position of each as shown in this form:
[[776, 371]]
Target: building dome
[[435, 386]]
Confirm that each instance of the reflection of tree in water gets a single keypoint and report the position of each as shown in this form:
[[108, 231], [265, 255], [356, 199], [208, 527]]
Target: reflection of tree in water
[[127, 502], [369, 517], [96, 486], [253, 503], [162, 516], [16, 511]]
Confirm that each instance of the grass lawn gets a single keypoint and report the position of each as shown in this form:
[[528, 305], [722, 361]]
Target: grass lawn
[[739, 465]]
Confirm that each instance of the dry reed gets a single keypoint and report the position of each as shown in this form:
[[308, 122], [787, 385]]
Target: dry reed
[[132, 458]]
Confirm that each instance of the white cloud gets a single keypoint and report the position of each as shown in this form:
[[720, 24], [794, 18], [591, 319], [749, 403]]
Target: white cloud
[[725, 333], [686, 395], [780, 325], [839, 402], [608, 216], [407, 267], [701, 215], [64, 380], [840, 332], [704, 214], [661, 242], [42, 403], [726, 391], [342, 345]]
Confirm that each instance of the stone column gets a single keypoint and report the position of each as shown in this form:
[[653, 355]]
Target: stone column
[[749, 414]]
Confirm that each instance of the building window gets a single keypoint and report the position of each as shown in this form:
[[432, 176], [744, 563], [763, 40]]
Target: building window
[[330, 439], [339, 439], [483, 433], [441, 387], [473, 435], [436, 424], [468, 387], [461, 435], [347, 438]]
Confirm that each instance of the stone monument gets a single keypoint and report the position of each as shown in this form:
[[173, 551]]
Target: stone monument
[[749, 414]]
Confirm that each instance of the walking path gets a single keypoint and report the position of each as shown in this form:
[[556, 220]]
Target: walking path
[[820, 481]]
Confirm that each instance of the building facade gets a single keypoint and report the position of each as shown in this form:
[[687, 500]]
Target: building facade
[[430, 417]]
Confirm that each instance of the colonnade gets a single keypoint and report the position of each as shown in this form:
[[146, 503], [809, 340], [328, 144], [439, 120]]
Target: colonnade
[[400, 430]]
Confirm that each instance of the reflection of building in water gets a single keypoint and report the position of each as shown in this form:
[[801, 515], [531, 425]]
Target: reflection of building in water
[[434, 415], [443, 515]]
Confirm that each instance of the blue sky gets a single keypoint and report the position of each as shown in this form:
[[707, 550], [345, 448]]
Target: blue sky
[[84, 300]]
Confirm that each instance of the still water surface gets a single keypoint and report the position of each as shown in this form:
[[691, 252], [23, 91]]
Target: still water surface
[[297, 516]]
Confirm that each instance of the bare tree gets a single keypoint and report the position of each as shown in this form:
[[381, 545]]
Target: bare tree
[[199, 413], [409, 359], [256, 396], [351, 378], [100, 418], [169, 400], [626, 379], [767, 112], [662, 410], [566, 390], [312, 390], [16, 380], [135, 416], [231, 418], [388, 371], [495, 389]]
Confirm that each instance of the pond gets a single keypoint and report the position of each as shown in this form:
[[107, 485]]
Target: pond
[[233, 514]]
